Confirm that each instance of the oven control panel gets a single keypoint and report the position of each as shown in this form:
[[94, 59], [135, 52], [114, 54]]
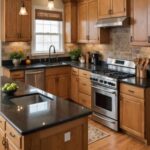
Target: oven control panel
[[104, 81]]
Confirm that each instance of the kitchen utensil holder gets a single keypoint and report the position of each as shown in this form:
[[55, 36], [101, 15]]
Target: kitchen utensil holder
[[143, 73]]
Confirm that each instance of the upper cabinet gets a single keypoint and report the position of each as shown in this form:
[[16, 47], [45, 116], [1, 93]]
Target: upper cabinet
[[14, 26], [87, 18], [112, 8], [70, 16], [83, 22], [140, 22]]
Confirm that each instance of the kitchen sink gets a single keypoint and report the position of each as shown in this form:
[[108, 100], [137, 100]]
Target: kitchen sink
[[55, 64], [29, 100]]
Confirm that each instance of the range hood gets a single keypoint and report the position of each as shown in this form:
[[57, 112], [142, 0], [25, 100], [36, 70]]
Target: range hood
[[112, 22]]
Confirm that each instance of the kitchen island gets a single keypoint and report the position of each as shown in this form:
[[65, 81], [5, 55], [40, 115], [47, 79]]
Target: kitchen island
[[35, 120]]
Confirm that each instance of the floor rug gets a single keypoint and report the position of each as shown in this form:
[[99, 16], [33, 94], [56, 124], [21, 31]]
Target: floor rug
[[95, 134]]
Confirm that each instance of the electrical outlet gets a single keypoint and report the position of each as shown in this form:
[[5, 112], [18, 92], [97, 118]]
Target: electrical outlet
[[67, 136]]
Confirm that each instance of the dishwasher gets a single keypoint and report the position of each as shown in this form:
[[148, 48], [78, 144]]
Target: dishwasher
[[35, 78]]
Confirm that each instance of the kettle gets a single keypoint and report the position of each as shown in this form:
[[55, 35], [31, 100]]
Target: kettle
[[95, 58]]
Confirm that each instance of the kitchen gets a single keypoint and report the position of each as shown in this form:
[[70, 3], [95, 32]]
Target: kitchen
[[111, 40]]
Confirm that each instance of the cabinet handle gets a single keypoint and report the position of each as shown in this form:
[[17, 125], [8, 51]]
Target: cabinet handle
[[87, 37], [131, 38], [12, 135], [130, 91], [148, 39], [4, 141], [109, 11], [84, 84]]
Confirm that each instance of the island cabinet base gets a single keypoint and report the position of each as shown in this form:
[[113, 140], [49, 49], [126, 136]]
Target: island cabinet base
[[68, 136]]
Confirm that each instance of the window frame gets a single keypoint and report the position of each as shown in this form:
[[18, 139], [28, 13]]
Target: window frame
[[33, 51]]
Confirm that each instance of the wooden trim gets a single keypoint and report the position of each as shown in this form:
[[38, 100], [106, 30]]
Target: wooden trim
[[48, 15]]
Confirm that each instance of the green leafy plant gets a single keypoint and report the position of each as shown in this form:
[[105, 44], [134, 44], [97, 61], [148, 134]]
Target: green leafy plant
[[75, 54], [17, 55]]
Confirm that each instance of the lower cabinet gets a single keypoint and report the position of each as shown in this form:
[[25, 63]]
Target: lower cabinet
[[57, 81], [132, 115], [85, 100], [72, 135], [75, 88], [2, 140]]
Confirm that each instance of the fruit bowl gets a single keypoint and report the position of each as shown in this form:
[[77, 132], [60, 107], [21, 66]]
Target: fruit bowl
[[9, 88], [11, 92]]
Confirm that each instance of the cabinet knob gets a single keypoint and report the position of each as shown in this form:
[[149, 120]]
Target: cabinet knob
[[131, 39], [148, 39]]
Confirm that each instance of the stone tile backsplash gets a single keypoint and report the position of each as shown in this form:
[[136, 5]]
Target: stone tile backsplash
[[119, 46]]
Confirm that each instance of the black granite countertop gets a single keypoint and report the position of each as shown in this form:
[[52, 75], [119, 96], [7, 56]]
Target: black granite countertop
[[139, 82], [88, 67], [26, 116]]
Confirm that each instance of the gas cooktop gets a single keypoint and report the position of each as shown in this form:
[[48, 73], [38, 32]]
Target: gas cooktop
[[113, 74]]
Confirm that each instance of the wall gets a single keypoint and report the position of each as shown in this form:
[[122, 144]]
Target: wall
[[119, 46]]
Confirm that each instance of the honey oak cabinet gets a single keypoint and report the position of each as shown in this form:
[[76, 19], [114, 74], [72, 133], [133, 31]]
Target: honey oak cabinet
[[113, 8], [46, 139], [87, 18], [83, 22], [70, 22], [75, 84], [2, 141], [85, 88], [132, 115], [15, 75], [14, 26], [57, 81], [140, 22]]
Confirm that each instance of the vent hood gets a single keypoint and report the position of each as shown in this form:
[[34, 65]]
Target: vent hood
[[113, 22]]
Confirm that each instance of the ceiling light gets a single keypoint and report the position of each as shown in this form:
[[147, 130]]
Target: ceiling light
[[23, 10], [50, 4]]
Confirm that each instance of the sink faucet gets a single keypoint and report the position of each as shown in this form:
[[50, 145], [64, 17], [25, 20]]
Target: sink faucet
[[54, 51]]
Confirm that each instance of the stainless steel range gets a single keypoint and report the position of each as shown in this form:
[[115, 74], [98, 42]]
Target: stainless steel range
[[105, 90]]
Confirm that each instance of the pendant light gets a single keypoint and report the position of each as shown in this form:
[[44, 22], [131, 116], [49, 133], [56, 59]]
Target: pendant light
[[23, 10], [50, 4]]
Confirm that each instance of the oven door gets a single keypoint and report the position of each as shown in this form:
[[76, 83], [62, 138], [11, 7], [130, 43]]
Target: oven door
[[105, 101]]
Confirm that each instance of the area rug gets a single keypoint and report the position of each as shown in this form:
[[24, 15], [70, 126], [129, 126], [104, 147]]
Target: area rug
[[95, 134]]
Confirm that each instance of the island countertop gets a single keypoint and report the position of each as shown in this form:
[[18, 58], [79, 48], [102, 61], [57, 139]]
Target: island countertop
[[37, 116]]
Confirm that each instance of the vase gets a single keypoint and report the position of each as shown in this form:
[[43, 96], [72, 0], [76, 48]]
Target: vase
[[16, 62]]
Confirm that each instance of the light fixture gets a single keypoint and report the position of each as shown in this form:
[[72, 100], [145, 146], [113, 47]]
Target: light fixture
[[50, 4], [23, 10]]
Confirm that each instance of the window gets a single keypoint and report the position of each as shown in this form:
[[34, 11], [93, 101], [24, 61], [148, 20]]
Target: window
[[48, 32]]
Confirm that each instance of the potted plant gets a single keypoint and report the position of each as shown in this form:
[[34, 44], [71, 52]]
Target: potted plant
[[16, 57], [75, 54]]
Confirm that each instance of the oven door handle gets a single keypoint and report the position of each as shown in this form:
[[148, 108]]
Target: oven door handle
[[108, 120], [112, 92]]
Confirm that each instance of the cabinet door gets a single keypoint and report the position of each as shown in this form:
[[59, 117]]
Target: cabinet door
[[119, 8], [82, 22], [11, 20], [139, 28], [11, 146], [51, 84], [64, 86], [104, 8], [25, 33], [92, 19], [2, 140], [70, 15], [132, 115], [74, 88]]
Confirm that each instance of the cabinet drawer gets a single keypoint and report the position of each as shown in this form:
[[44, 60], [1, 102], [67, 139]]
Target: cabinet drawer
[[85, 100], [17, 74], [74, 71], [132, 90], [58, 71], [13, 135], [84, 73], [85, 86], [2, 123]]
